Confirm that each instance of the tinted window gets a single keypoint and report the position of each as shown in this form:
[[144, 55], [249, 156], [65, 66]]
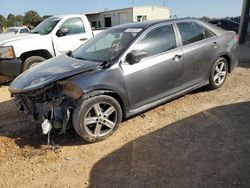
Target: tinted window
[[214, 22], [158, 40], [24, 31], [193, 32], [229, 23], [74, 25]]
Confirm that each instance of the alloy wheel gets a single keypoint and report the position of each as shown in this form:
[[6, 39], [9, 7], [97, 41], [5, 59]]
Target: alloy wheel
[[100, 119], [220, 73]]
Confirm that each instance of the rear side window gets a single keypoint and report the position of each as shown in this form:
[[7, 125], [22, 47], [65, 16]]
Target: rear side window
[[192, 32], [24, 31], [158, 40], [74, 25]]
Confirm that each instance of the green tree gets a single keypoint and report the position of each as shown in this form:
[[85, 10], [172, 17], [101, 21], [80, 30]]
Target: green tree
[[19, 18], [205, 18], [10, 20], [2, 22], [31, 18]]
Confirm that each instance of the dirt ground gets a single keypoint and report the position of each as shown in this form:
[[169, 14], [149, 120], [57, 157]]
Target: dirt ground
[[199, 140]]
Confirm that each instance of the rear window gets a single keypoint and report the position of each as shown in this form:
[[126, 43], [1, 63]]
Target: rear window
[[192, 32]]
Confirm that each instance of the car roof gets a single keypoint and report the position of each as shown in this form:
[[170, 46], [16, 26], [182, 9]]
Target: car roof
[[146, 24]]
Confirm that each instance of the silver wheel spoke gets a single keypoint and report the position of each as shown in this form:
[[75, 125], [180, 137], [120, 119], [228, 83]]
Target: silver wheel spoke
[[219, 80], [90, 120], [109, 124], [222, 66], [98, 129], [217, 69], [97, 109], [216, 77], [109, 111]]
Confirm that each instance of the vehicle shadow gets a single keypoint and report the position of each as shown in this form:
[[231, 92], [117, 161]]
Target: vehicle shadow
[[209, 149], [16, 125]]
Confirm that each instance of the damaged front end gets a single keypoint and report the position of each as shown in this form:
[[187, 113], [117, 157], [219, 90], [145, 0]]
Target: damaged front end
[[44, 92], [52, 105]]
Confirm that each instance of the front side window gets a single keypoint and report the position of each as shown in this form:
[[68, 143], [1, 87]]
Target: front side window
[[158, 40], [192, 32], [74, 25]]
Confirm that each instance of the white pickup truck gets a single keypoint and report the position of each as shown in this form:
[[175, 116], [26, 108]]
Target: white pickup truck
[[54, 36]]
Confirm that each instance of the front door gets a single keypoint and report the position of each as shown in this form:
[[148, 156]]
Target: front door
[[159, 73], [75, 37]]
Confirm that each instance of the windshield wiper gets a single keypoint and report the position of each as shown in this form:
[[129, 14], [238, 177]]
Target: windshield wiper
[[106, 63], [80, 58]]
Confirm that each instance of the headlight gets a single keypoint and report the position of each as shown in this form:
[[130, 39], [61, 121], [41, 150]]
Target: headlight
[[7, 52]]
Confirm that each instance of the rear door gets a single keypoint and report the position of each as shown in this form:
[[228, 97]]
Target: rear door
[[77, 36], [199, 48], [157, 75]]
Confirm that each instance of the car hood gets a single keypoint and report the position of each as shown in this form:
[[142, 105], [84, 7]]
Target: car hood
[[50, 71], [10, 37]]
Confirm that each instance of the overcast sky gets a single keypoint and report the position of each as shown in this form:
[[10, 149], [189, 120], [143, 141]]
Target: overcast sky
[[181, 8]]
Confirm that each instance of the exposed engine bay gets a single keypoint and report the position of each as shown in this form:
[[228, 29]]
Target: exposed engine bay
[[54, 104]]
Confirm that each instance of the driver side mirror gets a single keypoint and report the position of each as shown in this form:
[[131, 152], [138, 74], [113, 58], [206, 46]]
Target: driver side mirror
[[62, 32], [136, 56]]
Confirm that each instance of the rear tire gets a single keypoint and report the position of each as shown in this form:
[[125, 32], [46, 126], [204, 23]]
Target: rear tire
[[32, 61], [97, 118], [218, 73]]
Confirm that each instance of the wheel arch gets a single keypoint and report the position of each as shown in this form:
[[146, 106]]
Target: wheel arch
[[110, 93], [227, 57], [42, 53]]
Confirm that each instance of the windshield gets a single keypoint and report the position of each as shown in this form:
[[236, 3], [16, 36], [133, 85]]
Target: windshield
[[46, 26], [11, 30], [106, 46]]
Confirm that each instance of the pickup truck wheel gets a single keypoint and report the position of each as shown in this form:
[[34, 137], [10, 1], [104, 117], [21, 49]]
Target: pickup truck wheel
[[32, 61], [97, 118]]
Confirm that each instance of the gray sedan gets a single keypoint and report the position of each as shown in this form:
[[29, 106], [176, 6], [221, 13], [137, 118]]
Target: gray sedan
[[124, 71]]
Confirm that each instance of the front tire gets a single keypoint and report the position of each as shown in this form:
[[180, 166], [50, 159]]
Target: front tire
[[32, 61], [97, 118], [218, 73]]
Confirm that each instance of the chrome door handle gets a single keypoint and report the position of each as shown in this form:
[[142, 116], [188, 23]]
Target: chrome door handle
[[83, 39], [177, 57]]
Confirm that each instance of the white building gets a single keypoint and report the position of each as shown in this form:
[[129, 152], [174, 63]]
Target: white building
[[111, 18]]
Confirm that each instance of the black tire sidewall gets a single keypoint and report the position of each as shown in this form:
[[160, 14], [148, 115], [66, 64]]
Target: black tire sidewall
[[30, 61], [212, 84], [81, 110]]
